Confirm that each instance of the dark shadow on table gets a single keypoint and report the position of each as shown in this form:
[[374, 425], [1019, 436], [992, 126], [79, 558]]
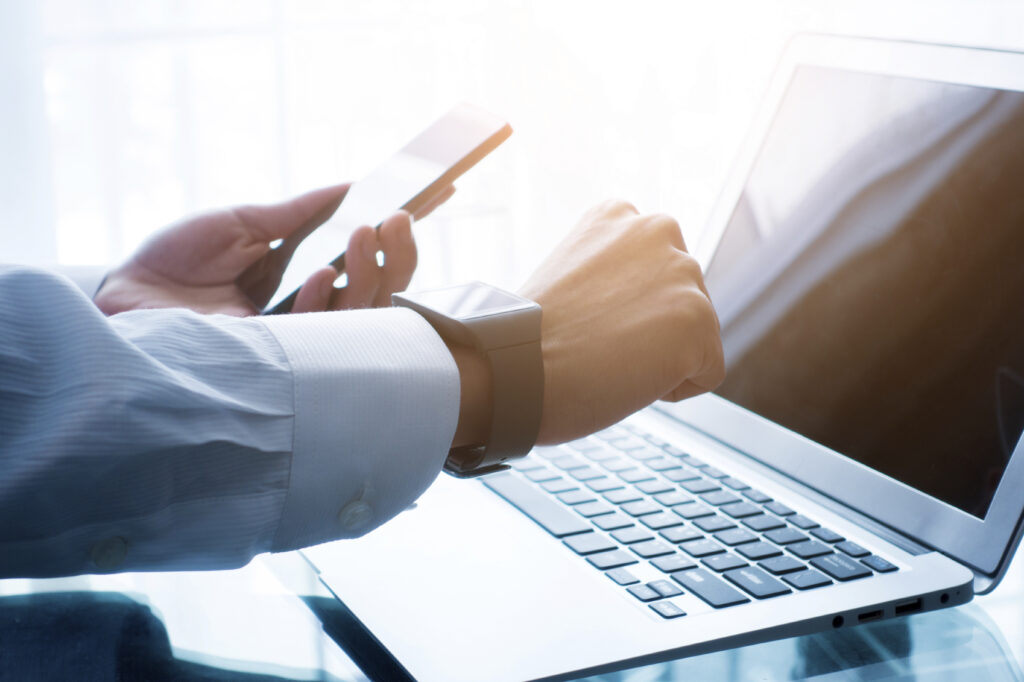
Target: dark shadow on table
[[94, 636]]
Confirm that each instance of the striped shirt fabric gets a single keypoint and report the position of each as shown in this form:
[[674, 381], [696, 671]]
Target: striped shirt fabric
[[169, 440]]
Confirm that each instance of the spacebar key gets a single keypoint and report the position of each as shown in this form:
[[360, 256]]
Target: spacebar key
[[555, 518]]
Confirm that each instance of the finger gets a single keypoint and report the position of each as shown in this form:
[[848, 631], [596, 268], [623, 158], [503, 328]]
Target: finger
[[399, 247], [315, 294], [362, 270], [435, 201], [293, 218]]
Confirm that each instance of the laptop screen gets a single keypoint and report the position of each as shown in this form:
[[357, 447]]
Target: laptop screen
[[870, 282]]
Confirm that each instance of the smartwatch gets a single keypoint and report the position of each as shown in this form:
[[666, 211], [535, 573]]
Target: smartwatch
[[505, 329]]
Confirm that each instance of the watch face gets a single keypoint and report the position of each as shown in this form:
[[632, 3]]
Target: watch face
[[471, 300]]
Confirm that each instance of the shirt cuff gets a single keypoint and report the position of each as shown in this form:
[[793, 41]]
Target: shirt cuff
[[376, 405]]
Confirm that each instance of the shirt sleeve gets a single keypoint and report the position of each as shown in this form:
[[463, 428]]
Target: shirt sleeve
[[167, 440]]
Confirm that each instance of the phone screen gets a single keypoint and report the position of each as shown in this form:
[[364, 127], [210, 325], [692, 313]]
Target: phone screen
[[430, 162]]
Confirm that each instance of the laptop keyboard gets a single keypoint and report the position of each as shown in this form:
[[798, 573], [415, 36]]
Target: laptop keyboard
[[623, 497]]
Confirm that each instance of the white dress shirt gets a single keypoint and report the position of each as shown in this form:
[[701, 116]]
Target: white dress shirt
[[164, 439]]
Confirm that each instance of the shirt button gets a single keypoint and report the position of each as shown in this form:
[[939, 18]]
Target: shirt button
[[355, 515], [108, 554]]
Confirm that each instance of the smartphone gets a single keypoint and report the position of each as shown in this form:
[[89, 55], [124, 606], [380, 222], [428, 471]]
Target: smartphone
[[408, 180]]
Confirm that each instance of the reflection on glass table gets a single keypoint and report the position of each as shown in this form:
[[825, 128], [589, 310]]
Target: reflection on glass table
[[271, 619]]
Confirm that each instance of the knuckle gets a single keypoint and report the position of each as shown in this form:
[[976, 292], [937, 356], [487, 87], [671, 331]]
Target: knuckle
[[619, 207]]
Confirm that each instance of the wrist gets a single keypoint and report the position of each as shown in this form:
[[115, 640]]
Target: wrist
[[475, 397]]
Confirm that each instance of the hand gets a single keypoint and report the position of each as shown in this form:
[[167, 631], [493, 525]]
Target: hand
[[626, 321], [222, 262]]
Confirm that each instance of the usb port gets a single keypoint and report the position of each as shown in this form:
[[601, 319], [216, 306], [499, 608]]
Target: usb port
[[869, 616], [908, 607]]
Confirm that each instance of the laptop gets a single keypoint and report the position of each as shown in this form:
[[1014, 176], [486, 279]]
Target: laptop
[[861, 462]]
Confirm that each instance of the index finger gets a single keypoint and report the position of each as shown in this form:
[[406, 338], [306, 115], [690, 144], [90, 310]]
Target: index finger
[[295, 218]]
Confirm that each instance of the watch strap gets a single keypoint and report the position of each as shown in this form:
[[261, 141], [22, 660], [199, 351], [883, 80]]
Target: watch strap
[[517, 378]]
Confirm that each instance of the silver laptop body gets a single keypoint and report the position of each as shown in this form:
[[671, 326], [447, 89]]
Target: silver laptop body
[[466, 586]]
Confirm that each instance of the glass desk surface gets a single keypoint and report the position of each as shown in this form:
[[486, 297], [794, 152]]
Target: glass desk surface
[[258, 623]]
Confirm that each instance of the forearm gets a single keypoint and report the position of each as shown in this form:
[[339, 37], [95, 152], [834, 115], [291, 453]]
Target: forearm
[[202, 440]]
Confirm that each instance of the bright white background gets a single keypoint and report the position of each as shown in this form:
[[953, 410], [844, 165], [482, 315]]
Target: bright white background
[[120, 116]]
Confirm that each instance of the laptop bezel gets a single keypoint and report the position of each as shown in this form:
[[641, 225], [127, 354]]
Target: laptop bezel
[[983, 544]]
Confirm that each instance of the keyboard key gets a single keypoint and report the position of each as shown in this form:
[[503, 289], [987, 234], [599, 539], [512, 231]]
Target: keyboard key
[[826, 535], [692, 461], [641, 507], [667, 609], [779, 509], [741, 510], [549, 514], [673, 498], [853, 549], [643, 592], [592, 509], [785, 536], [712, 472], [755, 495], [654, 440], [635, 475], [806, 579], [700, 485], [763, 522], [620, 495], [601, 455], [710, 524], [613, 521], [666, 588], [723, 562], [526, 464], [673, 450], [547, 451], [603, 484], [734, 483], [660, 520], [680, 475], [655, 486], [681, 534], [622, 576], [756, 582], [558, 485], [632, 534], [652, 548], [701, 548], [662, 464], [618, 464], [735, 536], [646, 454], [809, 549], [693, 510], [541, 475], [576, 497], [755, 551], [613, 433], [781, 564], [612, 559], [879, 564], [589, 543], [630, 443], [673, 563], [567, 462], [841, 567], [710, 588], [586, 474], [801, 521], [719, 497], [585, 445]]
